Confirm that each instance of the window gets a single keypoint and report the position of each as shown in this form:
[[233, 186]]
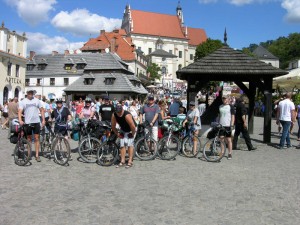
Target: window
[[88, 81], [109, 81], [38, 82], [191, 57], [66, 81], [42, 66], [180, 54], [29, 67], [9, 69], [27, 82], [149, 50], [68, 66], [170, 51], [17, 70], [80, 66], [52, 81]]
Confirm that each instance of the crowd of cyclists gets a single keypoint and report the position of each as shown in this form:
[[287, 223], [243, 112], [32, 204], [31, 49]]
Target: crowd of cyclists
[[124, 117]]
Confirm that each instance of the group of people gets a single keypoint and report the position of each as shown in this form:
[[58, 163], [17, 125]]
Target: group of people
[[125, 115]]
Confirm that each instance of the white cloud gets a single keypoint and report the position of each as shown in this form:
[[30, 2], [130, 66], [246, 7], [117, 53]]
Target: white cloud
[[293, 10], [208, 1], [82, 22], [43, 44], [32, 11], [242, 2]]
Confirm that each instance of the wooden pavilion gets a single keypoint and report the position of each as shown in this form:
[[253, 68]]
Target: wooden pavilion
[[227, 64]]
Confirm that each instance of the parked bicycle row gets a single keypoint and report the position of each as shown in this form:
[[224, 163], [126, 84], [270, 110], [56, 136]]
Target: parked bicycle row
[[152, 131]]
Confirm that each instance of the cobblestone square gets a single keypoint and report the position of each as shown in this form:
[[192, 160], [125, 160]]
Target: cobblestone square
[[257, 187]]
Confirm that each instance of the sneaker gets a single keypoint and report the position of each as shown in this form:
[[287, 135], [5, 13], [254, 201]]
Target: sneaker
[[229, 156], [38, 159]]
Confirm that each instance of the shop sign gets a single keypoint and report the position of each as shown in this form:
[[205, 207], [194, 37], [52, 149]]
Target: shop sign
[[13, 80]]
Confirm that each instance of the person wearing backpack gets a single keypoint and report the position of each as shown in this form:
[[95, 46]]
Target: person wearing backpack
[[62, 116]]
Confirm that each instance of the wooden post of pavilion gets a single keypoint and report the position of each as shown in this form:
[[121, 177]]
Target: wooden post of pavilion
[[268, 109], [251, 96]]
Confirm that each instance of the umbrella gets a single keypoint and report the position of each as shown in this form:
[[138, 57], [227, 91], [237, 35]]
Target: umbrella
[[151, 86]]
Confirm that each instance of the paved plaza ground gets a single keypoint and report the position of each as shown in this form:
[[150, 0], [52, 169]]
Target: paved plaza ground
[[257, 187]]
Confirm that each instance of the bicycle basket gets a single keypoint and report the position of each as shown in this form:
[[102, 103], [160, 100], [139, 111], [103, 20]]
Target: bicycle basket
[[13, 139]]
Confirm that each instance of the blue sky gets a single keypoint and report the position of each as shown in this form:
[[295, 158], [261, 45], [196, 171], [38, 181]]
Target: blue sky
[[61, 24]]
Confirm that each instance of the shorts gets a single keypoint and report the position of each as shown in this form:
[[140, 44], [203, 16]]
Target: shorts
[[34, 128], [5, 114], [155, 133], [126, 141], [226, 132]]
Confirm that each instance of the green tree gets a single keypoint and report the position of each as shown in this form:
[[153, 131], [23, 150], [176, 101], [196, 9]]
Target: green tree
[[207, 47], [154, 70]]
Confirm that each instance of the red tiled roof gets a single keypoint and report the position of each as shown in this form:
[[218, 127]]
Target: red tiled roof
[[196, 36], [156, 24], [123, 45]]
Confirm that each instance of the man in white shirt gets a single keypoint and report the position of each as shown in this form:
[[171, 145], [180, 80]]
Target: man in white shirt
[[285, 115]]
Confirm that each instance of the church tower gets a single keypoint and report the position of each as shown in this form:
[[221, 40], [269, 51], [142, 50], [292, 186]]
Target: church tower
[[179, 13]]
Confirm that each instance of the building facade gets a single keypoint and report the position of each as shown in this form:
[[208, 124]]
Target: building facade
[[265, 56], [13, 48], [74, 76], [155, 31]]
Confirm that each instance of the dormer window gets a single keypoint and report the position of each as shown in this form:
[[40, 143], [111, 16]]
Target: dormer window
[[89, 81], [109, 81], [80, 66], [159, 44], [42, 64], [30, 67], [68, 66]]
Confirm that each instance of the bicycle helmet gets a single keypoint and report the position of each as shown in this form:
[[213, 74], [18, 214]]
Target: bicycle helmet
[[87, 99], [59, 100]]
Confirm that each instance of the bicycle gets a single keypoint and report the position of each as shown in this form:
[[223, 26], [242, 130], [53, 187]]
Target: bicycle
[[88, 142], [215, 148], [169, 145], [188, 142], [145, 146], [108, 152], [46, 139], [22, 151]]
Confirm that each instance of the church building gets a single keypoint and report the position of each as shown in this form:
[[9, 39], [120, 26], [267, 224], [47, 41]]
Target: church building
[[164, 38]]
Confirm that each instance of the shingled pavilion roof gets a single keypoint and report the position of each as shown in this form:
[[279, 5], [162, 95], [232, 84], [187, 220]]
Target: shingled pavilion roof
[[230, 63]]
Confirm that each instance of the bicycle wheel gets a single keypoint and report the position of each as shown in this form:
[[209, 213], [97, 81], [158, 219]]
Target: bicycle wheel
[[188, 146], [168, 148], [88, 148], [61, 150], [45, 145], [214, 150], [145, 149], [22, 152], [108, 153]]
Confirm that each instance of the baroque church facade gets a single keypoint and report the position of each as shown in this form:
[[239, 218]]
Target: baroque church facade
[[164, 39]]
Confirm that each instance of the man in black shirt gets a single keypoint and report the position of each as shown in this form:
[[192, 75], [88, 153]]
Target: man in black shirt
[[126, 133], [241, 124], [106, 110], [61, 115]]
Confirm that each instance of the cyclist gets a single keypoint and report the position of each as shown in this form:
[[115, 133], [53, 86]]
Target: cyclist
[[62, 116], [193, 117], [87, 111], [126, 134], [151, 111], [226, 119], [32, 107], [106, 110]]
